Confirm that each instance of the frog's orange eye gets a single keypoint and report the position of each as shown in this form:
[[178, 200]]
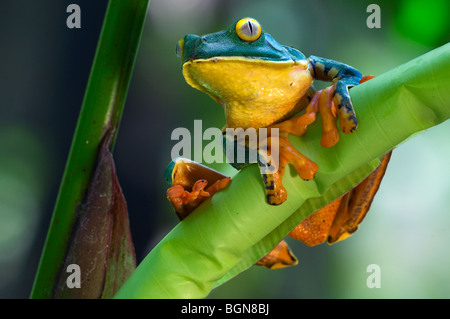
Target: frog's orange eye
[[248, 29]]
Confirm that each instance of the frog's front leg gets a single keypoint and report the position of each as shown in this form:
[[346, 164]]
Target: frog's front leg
[[330, 102], [335, 100]]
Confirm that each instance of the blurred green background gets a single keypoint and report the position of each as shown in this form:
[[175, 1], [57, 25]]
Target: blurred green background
[[44, 72]]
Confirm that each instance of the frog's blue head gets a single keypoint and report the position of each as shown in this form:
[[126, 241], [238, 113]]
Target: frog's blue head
[[245, 38]]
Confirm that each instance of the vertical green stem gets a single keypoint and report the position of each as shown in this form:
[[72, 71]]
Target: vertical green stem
[[101, 112]]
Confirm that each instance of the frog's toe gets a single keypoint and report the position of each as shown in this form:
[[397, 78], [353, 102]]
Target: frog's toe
[[327, 109], [334, 101], [299, 124], [305, 168], [184, 201]]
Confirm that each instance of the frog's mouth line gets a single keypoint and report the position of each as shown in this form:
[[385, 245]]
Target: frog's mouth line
[[248, 59]]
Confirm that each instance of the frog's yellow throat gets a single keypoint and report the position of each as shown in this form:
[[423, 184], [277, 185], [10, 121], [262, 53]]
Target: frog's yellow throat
[[253, 92]]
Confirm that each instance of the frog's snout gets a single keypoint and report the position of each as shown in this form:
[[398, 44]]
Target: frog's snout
[[187, 46]]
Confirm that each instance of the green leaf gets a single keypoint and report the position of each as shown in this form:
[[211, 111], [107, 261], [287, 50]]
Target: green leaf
[[228, 233]]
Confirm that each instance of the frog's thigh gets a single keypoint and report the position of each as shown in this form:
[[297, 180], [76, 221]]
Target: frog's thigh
[[314, 229], [356, 203]]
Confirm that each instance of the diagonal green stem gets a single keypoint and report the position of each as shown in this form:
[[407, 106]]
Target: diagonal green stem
[[101, 112], [230, 232]]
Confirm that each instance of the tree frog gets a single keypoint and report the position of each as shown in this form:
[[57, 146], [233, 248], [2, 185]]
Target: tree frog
[[260, 83], [263, 84]]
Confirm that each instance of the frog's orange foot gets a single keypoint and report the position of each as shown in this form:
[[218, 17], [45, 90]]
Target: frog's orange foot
[[331, 102], [279, 257], [287, 154], [184, 201], [323, 102]]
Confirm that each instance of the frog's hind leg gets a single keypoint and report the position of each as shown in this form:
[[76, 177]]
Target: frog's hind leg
[[314, 229], [356, 203], [341, 218]]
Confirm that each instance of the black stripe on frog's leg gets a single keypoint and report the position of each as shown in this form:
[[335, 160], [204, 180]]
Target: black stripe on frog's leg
[[270, 189], [272, 179], [324, 71], [268, 181], [271, 174], [275, 192], [333, 71]]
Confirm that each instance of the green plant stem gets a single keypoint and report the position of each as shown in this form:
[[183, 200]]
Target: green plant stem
[[231, 231], [101, 112]]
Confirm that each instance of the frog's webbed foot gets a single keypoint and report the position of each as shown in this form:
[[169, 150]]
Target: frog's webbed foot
[[185, 201], [346, 112], [190, 180], [332, 102]]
